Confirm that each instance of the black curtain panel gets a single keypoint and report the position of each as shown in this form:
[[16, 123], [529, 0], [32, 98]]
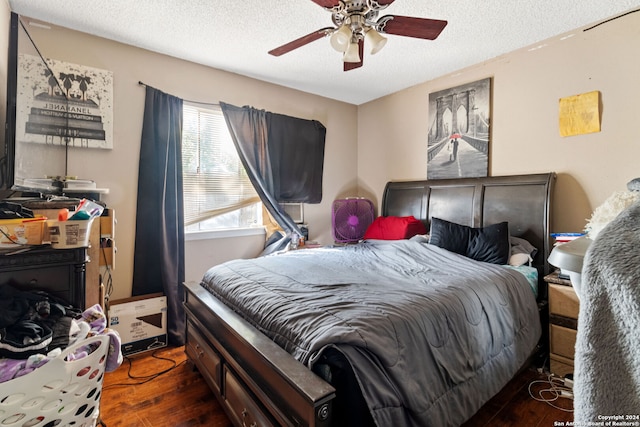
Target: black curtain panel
[[284, 158], [159, 243], [296, 149]]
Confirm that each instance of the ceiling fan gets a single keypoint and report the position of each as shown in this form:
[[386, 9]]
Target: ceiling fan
[[357, 22]]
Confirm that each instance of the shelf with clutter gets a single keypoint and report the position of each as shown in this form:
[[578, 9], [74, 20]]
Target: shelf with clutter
[[42, 222]]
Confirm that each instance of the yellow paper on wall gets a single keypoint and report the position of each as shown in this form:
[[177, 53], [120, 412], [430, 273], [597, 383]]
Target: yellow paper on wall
[[580, 114]]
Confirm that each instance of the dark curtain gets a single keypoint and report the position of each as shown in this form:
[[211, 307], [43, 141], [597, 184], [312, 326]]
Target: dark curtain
[[159, 243], [296, 149], [283, 156]]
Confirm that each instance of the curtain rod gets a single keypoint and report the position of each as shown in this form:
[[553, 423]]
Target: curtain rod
[[186, 100]]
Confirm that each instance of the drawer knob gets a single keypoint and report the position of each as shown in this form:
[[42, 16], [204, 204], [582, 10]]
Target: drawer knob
[[323, 412], [199, 350], [245, 414]]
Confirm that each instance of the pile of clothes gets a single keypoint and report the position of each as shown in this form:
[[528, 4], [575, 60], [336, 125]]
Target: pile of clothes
[[36, 327]]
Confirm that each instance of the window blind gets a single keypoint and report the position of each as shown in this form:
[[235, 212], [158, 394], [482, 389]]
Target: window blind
[[214, 181]]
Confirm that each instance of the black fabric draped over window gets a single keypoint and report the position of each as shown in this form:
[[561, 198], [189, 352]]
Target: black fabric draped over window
[[283, 156], [296, 149]]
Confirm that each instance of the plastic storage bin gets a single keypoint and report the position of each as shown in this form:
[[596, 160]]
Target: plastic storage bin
[[61, 393], [68, 234]]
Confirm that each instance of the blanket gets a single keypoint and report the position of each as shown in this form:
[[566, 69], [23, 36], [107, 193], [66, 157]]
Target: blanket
[[92, 322], [607, 356], [431, 335]]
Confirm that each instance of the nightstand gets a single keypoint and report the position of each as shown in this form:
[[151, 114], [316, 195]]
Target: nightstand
[[563, 324]]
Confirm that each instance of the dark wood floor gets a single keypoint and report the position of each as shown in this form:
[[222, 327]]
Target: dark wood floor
[[179, 397]]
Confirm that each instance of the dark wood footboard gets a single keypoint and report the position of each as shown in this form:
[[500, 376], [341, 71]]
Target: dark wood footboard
[[257, 382]]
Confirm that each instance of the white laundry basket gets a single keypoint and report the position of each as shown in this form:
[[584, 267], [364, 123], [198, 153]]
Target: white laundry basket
[[60, 393]]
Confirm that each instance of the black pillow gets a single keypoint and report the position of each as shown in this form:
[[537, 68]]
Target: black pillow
[[487, 244]]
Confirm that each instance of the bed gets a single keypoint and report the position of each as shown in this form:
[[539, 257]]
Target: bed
[[304, 339]]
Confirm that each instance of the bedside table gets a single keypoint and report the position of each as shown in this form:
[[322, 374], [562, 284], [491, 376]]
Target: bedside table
[[563, 324]]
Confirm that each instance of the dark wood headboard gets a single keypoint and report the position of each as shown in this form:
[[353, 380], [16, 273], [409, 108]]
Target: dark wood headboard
[[522, 200]]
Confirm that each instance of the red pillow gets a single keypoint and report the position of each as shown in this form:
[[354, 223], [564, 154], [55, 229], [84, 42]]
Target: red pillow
[[394, 228]]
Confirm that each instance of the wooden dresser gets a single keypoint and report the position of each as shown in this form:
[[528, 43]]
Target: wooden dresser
[[60, 272], [563, 324]]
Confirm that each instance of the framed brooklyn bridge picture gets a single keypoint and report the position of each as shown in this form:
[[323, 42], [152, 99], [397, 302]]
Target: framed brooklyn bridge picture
[[459, 131]]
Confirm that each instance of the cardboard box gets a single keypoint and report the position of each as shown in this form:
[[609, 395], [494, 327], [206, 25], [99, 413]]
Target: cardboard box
[[21, 231], [141, 322]]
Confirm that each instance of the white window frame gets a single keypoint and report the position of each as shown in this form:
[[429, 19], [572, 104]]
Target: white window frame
[[192, 235]]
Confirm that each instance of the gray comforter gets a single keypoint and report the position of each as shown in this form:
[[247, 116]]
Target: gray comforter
[[431, 335]]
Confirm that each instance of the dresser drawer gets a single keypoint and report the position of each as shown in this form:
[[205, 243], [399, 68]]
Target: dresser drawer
[[204, 357], [55, 280], [563, 301], [241, 405], [562, 340]]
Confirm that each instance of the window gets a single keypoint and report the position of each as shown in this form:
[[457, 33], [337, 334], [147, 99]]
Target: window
[[217, 192]]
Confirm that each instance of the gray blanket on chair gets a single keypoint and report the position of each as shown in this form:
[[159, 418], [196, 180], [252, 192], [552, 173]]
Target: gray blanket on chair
[[607, 357]]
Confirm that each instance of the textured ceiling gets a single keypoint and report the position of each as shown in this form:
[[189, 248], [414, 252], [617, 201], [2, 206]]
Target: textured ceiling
[[235, 36]]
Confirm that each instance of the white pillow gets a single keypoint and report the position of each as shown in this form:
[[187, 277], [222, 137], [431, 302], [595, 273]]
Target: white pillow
[[520, 259], [522, 252], [422, 238]]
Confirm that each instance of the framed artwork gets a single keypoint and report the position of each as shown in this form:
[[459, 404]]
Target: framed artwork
[[459, 131], [63, 104]]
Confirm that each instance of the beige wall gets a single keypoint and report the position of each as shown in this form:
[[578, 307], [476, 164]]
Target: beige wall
[[117, 169], [389, 140], [525, 135]]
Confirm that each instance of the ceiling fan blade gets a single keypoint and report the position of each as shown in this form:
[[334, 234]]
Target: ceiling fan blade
[[384, 2], [301, 41], [421, 28], [327, 4], [353, 65]]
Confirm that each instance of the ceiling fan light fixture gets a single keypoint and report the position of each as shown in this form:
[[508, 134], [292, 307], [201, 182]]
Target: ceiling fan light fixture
[[356, 24], [352, 53], [341, 38], [375, 40]]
